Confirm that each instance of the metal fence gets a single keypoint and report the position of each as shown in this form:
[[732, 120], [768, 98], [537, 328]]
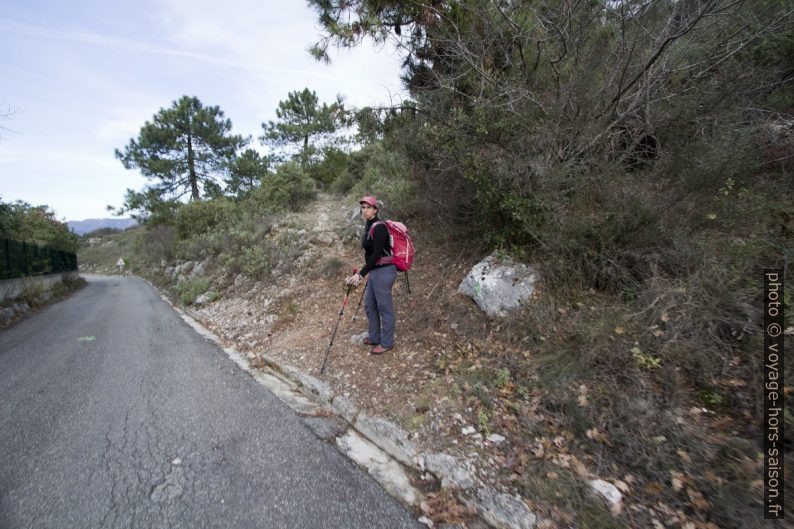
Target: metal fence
[[18, 259]]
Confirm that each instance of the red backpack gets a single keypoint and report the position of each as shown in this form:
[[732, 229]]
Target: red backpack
[[402, 247]]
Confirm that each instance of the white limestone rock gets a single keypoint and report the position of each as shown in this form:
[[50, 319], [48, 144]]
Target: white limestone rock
[[202, 299], [199, 270], [358, 339], [380, 466], [387, 435], [495, 438], [345, 407], [453, 473], [499, 285], [311, 386], [503, 511], [607, 490]]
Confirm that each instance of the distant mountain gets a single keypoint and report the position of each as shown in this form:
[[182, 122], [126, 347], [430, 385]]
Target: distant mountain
[[81, 227]]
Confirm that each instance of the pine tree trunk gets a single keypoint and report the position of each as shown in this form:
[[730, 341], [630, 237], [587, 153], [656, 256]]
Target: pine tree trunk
[[192, 170]]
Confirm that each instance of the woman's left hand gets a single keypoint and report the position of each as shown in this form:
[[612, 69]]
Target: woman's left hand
[[353, 280]]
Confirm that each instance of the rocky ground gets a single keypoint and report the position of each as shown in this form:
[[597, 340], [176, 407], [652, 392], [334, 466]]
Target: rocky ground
[[449, 383], [417, 385]]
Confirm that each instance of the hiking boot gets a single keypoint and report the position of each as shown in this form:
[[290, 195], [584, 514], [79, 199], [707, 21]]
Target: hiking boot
[[369, 342], [380, 350]]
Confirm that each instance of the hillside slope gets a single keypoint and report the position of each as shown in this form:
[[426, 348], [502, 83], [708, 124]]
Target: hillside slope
[[81, 227], [456, 378]]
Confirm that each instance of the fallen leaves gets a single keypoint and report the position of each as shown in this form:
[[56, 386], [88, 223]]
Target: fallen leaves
[[622, 486], [579, 467], [676, 480], [597, 436], [538, 450], [680, 481], [582, 398], [443, 507], [697, 500]]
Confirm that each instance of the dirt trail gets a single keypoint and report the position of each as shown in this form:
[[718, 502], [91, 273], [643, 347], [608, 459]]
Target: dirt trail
[[291, 319]]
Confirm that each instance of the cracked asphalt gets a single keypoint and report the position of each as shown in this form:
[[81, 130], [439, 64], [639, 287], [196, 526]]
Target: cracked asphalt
[[115, 413]]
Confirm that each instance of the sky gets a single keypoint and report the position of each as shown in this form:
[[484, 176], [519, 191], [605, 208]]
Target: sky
[[78, 79]]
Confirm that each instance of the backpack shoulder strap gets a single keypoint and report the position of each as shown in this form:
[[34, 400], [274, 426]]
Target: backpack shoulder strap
[[372, 228]]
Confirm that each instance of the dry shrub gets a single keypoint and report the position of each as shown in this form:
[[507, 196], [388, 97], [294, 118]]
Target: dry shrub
[[562, 490], [157, 243], [680, 344], [446, 509]]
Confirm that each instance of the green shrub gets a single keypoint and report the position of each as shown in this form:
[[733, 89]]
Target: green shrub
[[286, 248], [343, 182], [483, 422], [355, 168], [156, 243], [502, 377], [386, 175], [36, 224], [188, 291], [254, 262], [202, 216], [288, 188], [333, 166], [239, 241]]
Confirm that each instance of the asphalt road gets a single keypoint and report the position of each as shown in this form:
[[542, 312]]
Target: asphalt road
[[115, 413]]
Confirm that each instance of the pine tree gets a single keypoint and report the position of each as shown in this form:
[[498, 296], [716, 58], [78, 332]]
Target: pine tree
[[183, 149], [301, 121], [246, 172]]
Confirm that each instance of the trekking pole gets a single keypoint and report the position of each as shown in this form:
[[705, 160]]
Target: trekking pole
[[355, 316], [342, 311]]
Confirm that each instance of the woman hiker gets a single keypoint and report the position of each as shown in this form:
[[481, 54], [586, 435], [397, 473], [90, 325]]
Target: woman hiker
[[377, 296]]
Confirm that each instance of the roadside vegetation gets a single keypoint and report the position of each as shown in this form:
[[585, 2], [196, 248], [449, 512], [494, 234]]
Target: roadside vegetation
[[19, 221], [37, 225], [638, 154]]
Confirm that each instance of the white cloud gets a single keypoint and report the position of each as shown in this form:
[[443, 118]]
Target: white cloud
[[95, 38], [230, 59], [122, 123], [88, 91], [269, 35]]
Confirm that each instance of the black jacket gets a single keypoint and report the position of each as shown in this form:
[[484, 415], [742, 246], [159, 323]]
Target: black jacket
[[376, 247]]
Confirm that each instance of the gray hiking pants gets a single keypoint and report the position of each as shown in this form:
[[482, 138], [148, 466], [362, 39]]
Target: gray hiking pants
[[379, 307]]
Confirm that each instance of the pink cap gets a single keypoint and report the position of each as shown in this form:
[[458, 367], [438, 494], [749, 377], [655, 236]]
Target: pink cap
[[369, 200]]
